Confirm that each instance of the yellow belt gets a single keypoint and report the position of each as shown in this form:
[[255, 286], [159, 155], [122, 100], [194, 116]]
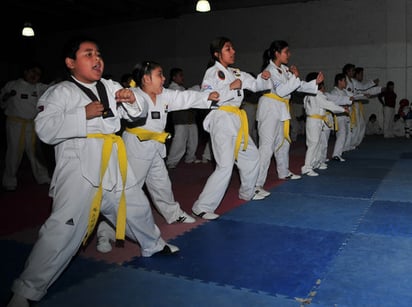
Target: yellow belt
[[145, 135], [322, 117], [109, 140], [243, 130], [353, 117], [24, 122], [286, 123], [335, 120]]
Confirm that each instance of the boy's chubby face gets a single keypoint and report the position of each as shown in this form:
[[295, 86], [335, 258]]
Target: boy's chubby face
[[88, 66]]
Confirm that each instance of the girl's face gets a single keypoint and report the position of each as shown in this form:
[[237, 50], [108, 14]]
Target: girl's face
[[283, 56], [154, 82], [227, 55], [88, 66], [342, 83]]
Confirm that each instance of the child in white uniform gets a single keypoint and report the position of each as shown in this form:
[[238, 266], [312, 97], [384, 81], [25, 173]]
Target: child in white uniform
[[341, 97], [90, 174], [316, 120], [228, 128], [19, 101], [273, 114], [145, 142]]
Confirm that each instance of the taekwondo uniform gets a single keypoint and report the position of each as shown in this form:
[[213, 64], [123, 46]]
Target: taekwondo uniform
[[228, 128], [82, 148], [341, 98], [20, 109], [316, 120], [146, 149], [273, 117], [358, 122]]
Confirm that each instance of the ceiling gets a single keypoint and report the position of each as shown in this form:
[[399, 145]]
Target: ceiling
[[51, 16]]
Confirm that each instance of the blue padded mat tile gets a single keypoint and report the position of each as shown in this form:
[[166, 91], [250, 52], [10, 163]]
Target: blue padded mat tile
[[353, 171], [331, 186], [401, 171], [138, 287], [304, 211], [372, 270], [78, 270], [406, 155], [276, 260], [388, 218], [353, 162], [12, 260], [394, 190], [12, 263], [374, 153]]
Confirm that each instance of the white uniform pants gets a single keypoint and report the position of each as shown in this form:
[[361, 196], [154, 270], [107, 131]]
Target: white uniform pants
[[324, 144], [341, 135], [21, 139], [63, 232], [272, 142], [185, 141], [358, 131], [223, 143], [313, 144], [154, 173]]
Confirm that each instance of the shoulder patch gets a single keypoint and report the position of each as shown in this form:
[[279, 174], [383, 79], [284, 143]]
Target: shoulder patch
[[221, 75]]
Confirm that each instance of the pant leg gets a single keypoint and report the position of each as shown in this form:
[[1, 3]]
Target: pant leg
[[140, 225], [178, 147], [267, 128], [191, 143], [223, 145], [160, 188], [14, 152], [248, 165], [341, 136], [60, 236]]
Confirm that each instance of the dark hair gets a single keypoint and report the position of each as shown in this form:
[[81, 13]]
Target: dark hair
[[358, 70], [174, 71], [73, 45], [311, 76], [143, 68], [347, 67], [216, 45], [390, 83], [339, 77], [269, 54]]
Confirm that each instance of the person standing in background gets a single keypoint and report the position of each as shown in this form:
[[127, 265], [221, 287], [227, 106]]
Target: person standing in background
[[388, 100], [186, 133], [19, 99]]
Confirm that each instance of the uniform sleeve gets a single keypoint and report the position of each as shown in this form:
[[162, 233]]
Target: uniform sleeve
[[329, 105], [57, 120], [255, 84], [183, 100], [339, 99], [284, 87]]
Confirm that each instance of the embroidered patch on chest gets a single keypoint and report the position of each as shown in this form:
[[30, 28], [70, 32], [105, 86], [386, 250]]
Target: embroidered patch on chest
[[155, 115], [221, 75]]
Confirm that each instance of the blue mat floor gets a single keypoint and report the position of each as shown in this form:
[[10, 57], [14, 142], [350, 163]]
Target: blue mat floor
[[341, 239]]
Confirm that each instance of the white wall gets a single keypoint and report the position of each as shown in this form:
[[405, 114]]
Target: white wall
[[323, 35]]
